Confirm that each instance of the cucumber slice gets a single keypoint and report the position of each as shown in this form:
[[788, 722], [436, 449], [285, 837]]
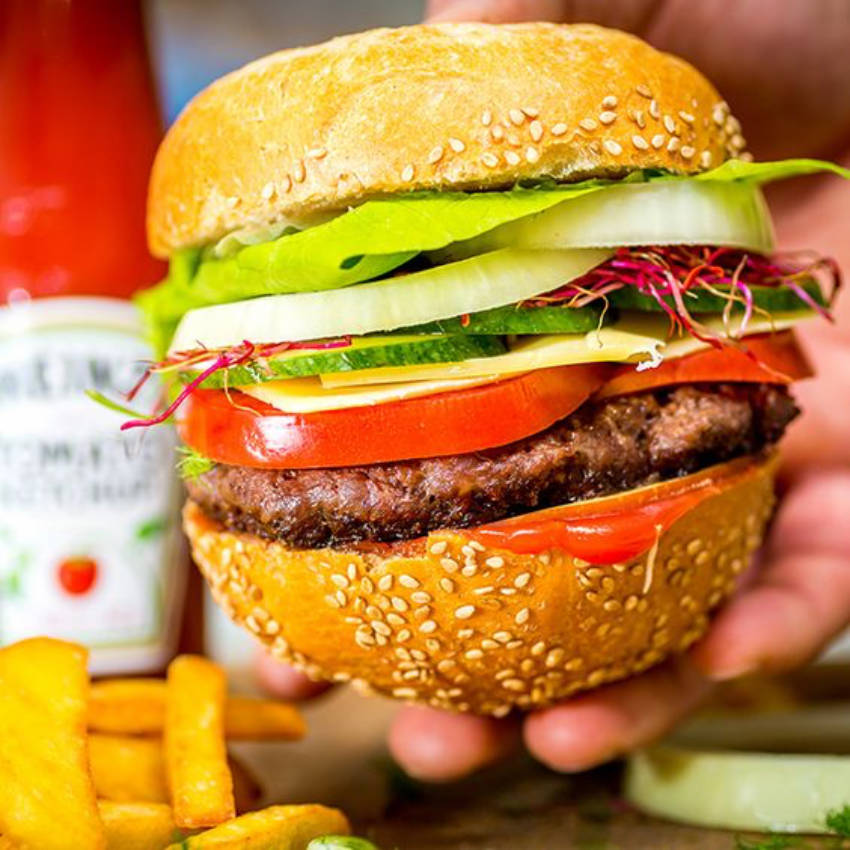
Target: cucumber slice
[[363, 353], [521, 320], [770, 298]]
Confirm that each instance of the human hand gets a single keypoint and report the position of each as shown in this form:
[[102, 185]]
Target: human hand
[[787, 79]]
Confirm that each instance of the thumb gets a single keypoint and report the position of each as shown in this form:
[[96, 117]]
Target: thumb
[[494, 11]]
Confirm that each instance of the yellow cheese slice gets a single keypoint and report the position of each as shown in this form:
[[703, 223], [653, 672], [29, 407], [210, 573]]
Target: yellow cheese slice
[[307, 395], [637, 337]]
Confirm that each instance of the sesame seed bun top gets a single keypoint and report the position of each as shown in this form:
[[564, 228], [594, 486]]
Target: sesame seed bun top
[[442, 106]]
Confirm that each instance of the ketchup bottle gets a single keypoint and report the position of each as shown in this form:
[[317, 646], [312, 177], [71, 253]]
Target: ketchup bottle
[[89, 542]]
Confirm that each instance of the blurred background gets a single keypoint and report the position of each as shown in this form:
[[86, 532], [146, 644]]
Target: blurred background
[[194, 41]]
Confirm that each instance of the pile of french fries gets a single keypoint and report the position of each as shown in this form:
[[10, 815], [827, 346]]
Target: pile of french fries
[[138, 764]]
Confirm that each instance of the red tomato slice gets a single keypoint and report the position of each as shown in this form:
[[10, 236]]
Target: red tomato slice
[[614, 528], [258, 435], [772, 359]]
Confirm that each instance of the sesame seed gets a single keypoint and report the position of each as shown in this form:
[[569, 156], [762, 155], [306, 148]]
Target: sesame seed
[[496, 561], [298, 172], [587, 124], [465, 634], [506, 673], [536, 130], [286, 183], [522, 580], [339, 580], [457, 145], [407, 173], [507, 591], [513, 684], [272, 627], [737, 142], [366, 585], [522, 616], [439, 547], [404, 634], [607, 117], [341, 598], [559, 129], [497, 132], [399, 604], [687, 151], [718, 115], [516, 116], [364, 640], [381, 628], [407, 581], [427, 627], [658, 141], [374, 612], [395, 619], [643, 91], [433, 645], [640, 143], [404, 693], [555, 657], [317, 153], [513, 140], [469, 570], [490, 159], [476, 546], [614, 148], [268, 191], [673, 144], [448, 564], [483, 591], [486, 117], [654, 109], [502, 637], [447, 585], [686, 116], [609, 102], [464, 612], [422, 612], [705, 159], [530, 111], [539, 648], [637, 115], [512, 158], [544, 558], [487, 643], [473, 654], [669, 124], [435, 155], [352, 571], [532, 154], [385, 582], [420, 597]]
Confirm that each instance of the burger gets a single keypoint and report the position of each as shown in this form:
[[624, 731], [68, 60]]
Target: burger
[[480, 351]]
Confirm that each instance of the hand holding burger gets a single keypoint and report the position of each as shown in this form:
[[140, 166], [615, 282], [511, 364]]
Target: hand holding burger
[[468, 566]]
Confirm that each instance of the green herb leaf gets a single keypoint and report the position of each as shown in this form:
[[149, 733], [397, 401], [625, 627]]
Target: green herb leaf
[[192, 465], [770, 842], [109, 404], [838, 821]]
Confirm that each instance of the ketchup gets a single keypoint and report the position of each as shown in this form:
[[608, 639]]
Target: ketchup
[[89, 543], [615, 528]]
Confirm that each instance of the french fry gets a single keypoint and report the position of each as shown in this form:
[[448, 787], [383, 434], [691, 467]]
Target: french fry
[[137, 707], [127, 770], [47, 797], [199, 779], [138, 826], [274, 828]]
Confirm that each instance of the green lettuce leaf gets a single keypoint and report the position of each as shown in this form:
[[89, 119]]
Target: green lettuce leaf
[[371, 240]]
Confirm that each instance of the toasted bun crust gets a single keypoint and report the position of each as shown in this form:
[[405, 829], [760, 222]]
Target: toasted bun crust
[[466, 628], [441, 106]]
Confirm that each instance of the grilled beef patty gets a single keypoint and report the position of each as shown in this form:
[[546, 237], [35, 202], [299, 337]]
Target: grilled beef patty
[[604, 447]]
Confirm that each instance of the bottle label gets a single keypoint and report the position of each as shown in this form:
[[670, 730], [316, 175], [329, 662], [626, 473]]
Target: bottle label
[[90, 548]]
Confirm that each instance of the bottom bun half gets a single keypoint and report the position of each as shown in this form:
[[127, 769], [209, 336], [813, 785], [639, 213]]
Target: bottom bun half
[[451, 623]]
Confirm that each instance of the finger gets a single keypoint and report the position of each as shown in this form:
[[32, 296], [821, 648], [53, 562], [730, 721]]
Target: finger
[[494, 11], [439, 747], [801, 599], [285, 681], [598, 726]]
